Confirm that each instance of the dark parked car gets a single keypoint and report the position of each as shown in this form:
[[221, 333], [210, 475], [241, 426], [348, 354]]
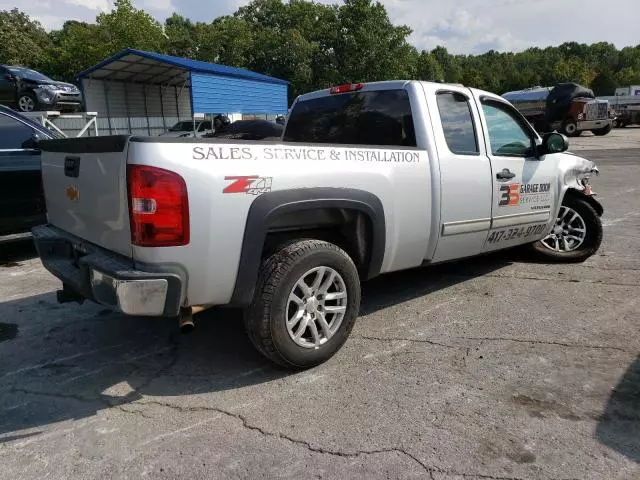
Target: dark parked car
[[251, 130], [21, 199], [189, 128], [26, 90]]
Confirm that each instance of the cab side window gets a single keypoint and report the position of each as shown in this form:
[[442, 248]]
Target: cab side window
[[457, 123], [14, 134], [507, 136]]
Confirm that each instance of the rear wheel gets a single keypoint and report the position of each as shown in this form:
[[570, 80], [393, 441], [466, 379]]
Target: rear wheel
[[576, 233], [305, 305]]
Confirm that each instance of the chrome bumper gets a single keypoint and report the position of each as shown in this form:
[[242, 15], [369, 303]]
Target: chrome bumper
[[106, 278], [593, 124]]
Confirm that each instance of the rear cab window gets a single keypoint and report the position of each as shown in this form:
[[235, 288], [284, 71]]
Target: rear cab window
[[379, 117], [457, 123]]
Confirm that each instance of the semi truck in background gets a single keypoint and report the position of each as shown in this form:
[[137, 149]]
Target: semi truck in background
[[567, 107], [625, 106], [630, 91]]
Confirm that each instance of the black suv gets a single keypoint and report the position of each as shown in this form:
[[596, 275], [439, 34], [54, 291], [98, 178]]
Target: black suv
[[26, 90]]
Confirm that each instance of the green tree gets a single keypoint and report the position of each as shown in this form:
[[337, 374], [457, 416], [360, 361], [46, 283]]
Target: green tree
[[628, 76], [311, 44], [23, 41], [369, 47], [128, 27], [429, 68], [181, 36], [604, 83], [227, 40], [472, 77], [76, 47]]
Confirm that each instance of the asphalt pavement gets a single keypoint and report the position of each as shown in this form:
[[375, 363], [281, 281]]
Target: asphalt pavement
[[492, 368]]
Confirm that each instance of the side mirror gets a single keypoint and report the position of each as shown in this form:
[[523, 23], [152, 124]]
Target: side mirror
[[553, 143], [32, 143]]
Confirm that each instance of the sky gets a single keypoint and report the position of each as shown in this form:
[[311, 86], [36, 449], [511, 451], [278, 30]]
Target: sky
[[462, 26]]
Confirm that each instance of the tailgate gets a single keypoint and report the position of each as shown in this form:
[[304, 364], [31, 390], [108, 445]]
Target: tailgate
[[85, 189]]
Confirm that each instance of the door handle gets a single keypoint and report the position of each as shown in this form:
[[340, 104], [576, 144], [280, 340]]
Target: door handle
[[505, 174]]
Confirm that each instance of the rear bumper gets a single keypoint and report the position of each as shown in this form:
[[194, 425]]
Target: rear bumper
[[594, 124], [106, 278]]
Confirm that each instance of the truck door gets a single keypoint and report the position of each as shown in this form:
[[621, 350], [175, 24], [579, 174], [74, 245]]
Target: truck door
[[523, 184], [465, 172]]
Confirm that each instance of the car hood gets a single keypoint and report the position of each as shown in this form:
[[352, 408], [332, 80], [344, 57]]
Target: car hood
[[62, 85]]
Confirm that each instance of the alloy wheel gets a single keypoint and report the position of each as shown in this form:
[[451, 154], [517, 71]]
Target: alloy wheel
[[316, 307], [26, 104], [568, 233]]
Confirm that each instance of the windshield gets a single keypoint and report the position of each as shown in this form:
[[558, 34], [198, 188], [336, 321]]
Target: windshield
[[29, 74], [186, 126]]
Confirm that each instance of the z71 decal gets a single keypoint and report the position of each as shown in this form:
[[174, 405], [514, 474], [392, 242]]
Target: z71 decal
[[516, 233], [249, 184], [524, 194]]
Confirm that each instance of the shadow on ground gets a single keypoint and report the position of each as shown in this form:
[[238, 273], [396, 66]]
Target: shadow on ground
[[619, 426], [62, 362], [12, 252]]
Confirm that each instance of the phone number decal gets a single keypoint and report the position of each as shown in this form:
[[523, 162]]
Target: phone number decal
[[516, 233]]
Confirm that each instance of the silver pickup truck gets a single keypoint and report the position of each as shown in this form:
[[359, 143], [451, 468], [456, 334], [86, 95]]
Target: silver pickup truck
[[368, 179]]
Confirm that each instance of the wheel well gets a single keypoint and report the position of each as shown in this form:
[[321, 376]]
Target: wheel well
[[588, 198], [350, 229]]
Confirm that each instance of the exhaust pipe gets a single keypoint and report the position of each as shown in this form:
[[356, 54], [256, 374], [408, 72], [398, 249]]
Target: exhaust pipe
[[185, 321]]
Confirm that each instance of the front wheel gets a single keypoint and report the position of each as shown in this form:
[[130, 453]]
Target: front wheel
[[576, 233], [600, 132], [570, 128], [306, 302]]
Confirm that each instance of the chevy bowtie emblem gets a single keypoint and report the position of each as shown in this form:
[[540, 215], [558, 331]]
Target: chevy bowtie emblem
[[73, 193]]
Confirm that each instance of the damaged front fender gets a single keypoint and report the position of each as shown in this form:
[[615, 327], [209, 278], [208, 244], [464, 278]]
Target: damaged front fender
[[575, 177]]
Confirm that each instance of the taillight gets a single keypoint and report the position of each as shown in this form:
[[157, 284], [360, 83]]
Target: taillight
[[158, 207], [350, 87]]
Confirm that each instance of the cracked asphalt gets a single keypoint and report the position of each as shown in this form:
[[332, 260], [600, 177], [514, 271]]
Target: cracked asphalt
[[492, 368]]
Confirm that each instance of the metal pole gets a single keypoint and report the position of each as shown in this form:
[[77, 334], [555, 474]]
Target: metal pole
[[126, 102], [146, 112], [164, 121], [175, 89], [106, 103]]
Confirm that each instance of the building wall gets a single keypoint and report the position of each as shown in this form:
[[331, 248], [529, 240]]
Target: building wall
[[151, 109], [216, 94], [135, 108]]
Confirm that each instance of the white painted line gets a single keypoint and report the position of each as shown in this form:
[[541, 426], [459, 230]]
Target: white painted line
[[111, 364], [181, 430], [62, 359]]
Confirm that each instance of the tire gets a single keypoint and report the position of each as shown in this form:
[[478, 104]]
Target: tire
[[570, 128], [602, 131], [27, 102], [266, 319], [590, 242]]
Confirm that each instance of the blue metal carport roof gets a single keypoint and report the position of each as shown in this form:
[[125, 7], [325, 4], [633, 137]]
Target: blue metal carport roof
[[214, 88]]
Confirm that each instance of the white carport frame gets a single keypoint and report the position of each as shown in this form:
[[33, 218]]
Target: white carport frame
[[137, 94]]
